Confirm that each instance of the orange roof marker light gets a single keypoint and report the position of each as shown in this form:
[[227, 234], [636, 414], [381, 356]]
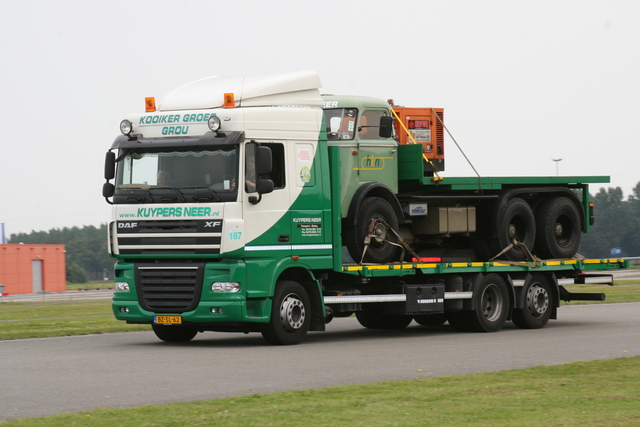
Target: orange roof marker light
[[229, 100], [150, 104]]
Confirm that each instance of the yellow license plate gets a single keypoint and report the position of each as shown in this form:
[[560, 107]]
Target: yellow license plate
[[168, 320]]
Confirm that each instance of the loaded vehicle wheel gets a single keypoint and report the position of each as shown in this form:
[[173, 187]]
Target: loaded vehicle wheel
[[174, 333], [559, 230], [373, 211], [290, 314], [514, 221], [538, 305], [491, 303], [482, 249], [372, 317]]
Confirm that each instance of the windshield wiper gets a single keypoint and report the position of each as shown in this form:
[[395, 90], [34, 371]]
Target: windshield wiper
[[204, 198], [169, 197], [147, 195]]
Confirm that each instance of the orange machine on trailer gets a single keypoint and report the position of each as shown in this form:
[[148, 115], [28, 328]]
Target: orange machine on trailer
[[422, 126]]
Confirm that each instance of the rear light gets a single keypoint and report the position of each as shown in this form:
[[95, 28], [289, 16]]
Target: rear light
[[427, 259]]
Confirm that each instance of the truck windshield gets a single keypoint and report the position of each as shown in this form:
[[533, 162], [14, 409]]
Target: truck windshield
[[193, 175], [340, 122]]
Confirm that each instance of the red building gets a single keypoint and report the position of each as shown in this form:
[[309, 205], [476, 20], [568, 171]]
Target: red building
[[32, 268]]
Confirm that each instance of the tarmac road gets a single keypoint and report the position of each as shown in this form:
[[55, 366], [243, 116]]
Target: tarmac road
[[47, 376]]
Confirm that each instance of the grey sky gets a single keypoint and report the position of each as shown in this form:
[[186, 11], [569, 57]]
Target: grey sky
[[522, 82]]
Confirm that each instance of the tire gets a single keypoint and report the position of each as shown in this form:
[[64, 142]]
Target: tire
[[430, 320], [491, 303], [290, 315], [174, 333], [514, 220], [538, 305], [380, 251], [559, 230], [372, 317]]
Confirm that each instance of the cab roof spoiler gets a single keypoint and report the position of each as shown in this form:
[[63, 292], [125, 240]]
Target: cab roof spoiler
[[206, 140]]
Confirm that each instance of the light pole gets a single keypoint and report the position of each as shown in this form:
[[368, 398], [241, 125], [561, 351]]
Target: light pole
[[557, 166]]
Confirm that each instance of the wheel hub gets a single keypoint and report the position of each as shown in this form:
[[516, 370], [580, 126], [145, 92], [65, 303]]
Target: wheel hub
[[491, 303], [558, 230], [292, 312], [379, 233], [537, 300]]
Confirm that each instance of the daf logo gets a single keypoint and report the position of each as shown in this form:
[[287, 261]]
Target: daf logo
[[211, 223], [127, 224]]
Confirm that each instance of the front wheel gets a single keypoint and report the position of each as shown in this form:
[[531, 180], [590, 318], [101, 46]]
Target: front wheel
[[371, 220], [290, 315], [174, 333]]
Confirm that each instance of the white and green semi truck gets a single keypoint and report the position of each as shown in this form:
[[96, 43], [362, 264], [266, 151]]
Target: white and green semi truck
[[256, 204]]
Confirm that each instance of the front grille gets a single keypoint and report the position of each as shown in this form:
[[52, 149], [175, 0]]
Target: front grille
[[169, 237], [170, 288]]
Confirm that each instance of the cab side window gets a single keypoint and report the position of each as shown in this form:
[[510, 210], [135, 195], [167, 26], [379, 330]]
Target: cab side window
[[277, 174], [369, 126], [340, 123]]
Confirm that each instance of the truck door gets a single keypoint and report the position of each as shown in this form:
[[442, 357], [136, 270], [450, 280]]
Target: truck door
[[267, 222], [310, 228], [377, 157]]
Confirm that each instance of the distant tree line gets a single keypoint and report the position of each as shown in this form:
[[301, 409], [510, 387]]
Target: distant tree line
[[617, 225], [86, 250]]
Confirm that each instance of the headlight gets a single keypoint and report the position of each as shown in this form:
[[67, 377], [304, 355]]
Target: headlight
[[225, 287], [126, 127], [122, 287], [214, 123]]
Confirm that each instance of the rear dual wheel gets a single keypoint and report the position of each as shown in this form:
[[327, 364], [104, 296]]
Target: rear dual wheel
[[492, 305], [538, 305], [559, 230], [555, 230]]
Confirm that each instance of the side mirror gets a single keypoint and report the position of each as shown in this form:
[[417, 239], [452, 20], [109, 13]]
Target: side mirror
[[108, 189], [263, 160], [110, 165], [386, 127], [264, 186], [262, 165]]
